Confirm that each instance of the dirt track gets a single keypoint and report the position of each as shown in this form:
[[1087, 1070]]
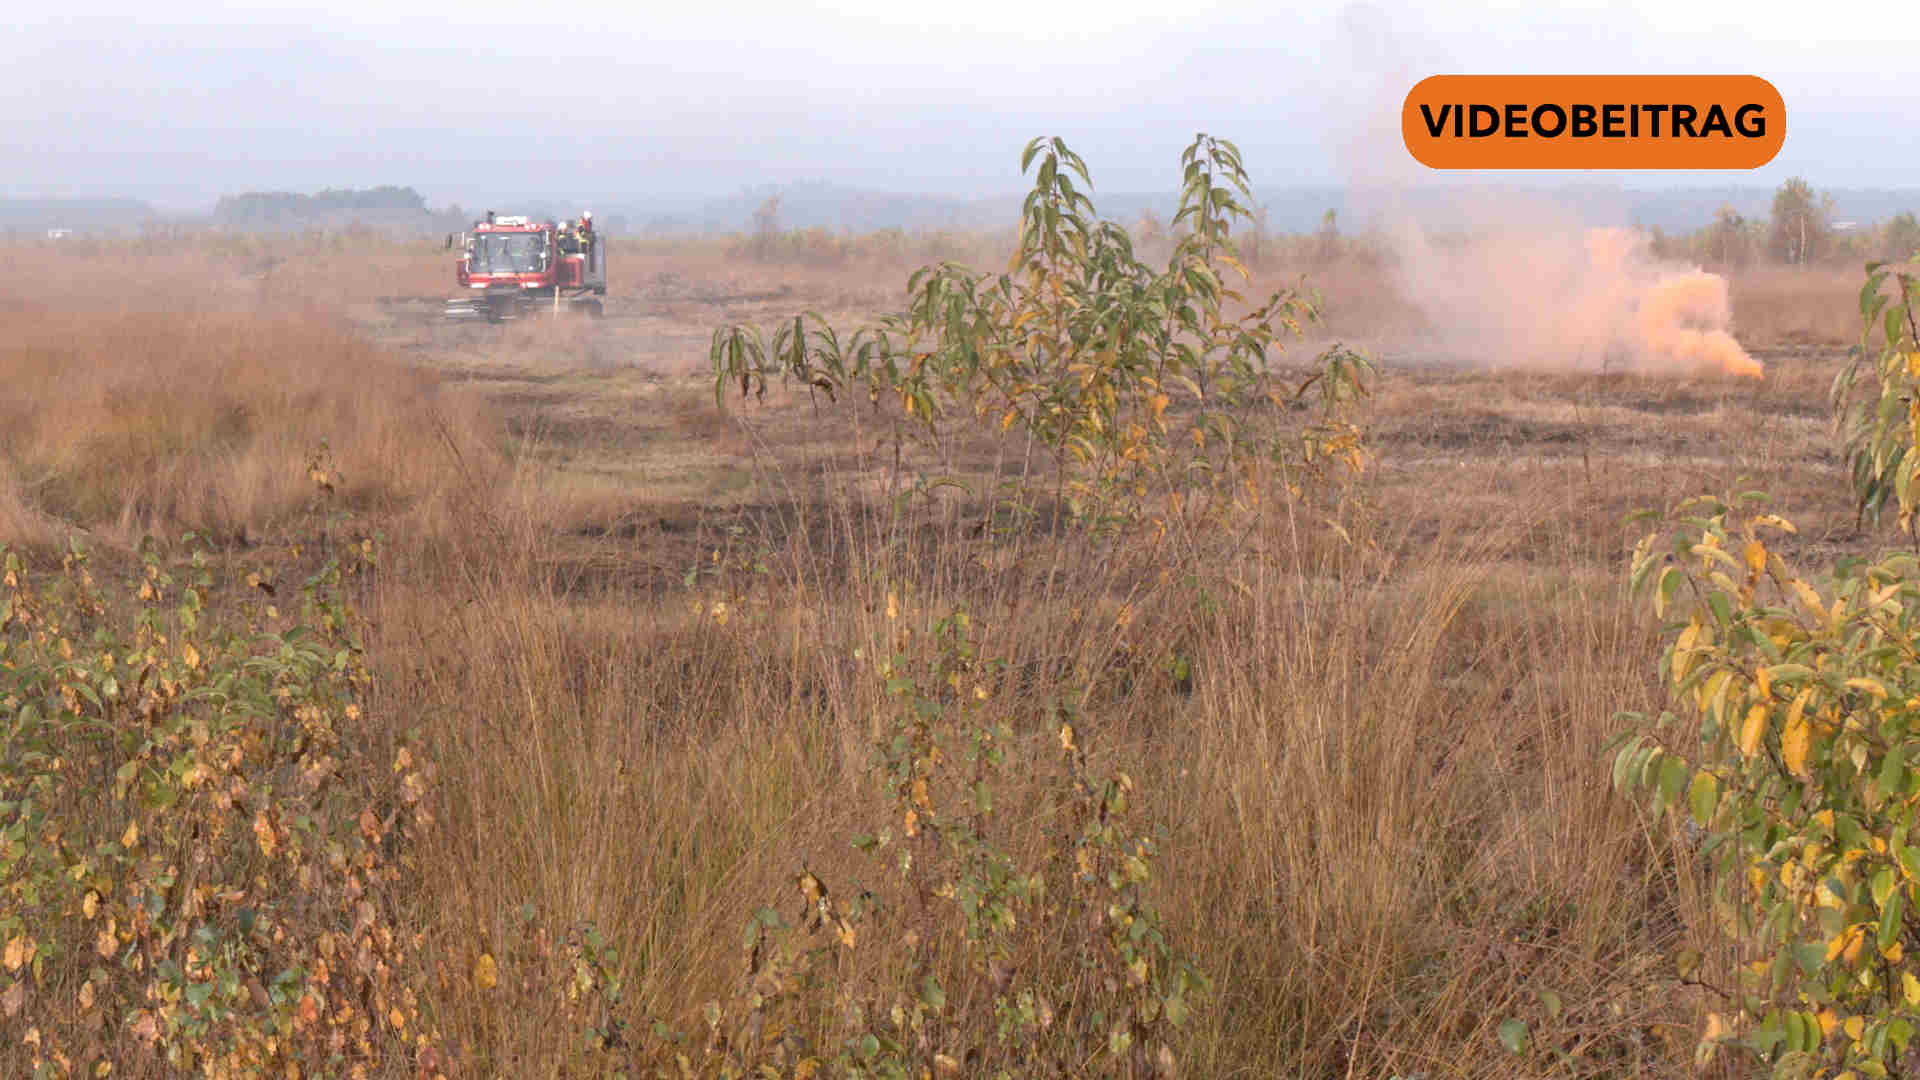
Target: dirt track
[[624, 406]]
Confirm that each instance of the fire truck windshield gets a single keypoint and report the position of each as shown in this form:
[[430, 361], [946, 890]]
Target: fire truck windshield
[[508, 253]]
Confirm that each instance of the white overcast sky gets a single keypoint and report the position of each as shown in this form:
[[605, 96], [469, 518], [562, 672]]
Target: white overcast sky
[[181, 102]]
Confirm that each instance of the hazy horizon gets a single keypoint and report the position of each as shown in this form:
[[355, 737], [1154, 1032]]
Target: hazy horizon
[[477, 103]]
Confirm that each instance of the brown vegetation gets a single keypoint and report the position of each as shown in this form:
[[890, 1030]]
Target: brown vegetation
[[635, 634], [214, 421], [1786, 305]]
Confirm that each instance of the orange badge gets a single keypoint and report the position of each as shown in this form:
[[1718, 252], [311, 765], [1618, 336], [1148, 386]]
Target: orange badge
[[1593, 122]]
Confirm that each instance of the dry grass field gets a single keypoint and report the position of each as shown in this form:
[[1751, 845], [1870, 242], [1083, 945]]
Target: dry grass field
[[632, 632]]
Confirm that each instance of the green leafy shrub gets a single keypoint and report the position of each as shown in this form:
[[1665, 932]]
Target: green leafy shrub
[[977, 960], [1794, 755], [199, 843], [1874, 398], [1138, 391]]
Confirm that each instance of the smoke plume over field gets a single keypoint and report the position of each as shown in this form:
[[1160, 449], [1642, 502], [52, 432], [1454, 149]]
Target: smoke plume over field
[[1542, 294], [1511, 278]]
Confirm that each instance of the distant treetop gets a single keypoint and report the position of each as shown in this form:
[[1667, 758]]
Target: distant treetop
[[274, 207]]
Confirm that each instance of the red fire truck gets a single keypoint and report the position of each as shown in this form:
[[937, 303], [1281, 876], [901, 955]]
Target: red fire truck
[[511, 266]]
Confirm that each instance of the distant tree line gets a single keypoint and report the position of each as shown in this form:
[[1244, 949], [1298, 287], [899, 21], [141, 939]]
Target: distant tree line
[[1800, 231], [280, 207]]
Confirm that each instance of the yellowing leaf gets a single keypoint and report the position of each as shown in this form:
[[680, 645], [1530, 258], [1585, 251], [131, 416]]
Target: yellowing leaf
[[1854, 1027], [1712, 553], [1683, 650], [1756, 554], [1824, 896], [1808, 598], [486, 974], [263, 833], [1712, 690], [1751, 731], [16, 952], [1799, 705], [1910, 988], [1856, 939], [1871, 686], [810, 887], [90, 904], [131, 838], [1796, 739]]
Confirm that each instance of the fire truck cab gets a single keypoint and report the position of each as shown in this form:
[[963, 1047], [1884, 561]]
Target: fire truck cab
[[511, 265]]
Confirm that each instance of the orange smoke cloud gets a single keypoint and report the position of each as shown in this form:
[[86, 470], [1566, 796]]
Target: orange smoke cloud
[[1542, 294], [1682, 319]]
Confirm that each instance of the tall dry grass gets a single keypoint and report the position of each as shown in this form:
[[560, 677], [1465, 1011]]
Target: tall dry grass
[[1387, 823], [1785, 305], [1375, 764], [280, 273], [226, 422]]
